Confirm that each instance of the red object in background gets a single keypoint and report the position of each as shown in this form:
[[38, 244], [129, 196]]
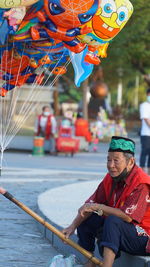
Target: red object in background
[[65, 132], [65, 143], [82, 129]]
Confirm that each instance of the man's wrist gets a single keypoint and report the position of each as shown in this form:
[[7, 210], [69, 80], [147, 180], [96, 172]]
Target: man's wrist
[[99, 210]]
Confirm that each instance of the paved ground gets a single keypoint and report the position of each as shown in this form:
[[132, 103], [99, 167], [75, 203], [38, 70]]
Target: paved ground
[[26, 176]]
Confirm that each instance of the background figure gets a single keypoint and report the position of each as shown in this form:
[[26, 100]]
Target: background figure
[[67, 120], [46, 126], [145, 133], [65, 127], [82, 127]]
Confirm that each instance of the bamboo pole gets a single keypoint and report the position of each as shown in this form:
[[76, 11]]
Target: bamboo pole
[[83, 251]]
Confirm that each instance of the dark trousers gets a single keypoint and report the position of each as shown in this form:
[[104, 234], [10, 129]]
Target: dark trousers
[[111, 232], [145, 151]]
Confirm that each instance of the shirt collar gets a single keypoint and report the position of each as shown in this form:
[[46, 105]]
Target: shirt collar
[[130, 175]]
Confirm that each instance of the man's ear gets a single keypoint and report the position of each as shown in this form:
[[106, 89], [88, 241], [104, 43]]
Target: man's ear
[[131, 163]]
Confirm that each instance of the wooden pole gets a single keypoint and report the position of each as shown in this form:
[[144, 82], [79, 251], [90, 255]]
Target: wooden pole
[[55, 98], [83, 251]]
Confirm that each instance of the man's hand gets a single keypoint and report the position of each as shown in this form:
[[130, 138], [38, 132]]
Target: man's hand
[[68, 231], [88, 208]]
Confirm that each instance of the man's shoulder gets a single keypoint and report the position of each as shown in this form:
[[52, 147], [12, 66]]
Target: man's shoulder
[[144, 110], [144, 178], [145, 104]]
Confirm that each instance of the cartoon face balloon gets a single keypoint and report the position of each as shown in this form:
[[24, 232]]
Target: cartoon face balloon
[[109, 20], [16, 3], [70, 13]]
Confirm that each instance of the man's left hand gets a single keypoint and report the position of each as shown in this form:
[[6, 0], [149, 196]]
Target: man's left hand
[[89, 207]]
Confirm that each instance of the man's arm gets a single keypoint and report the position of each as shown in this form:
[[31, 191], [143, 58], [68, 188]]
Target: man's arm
[[54, 125], [147, 122], [76, 222], [136, 204], [104, 210], [97, 196], [36, 126]]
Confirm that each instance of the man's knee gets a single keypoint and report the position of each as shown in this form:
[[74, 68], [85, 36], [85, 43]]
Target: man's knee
[[113, 220]]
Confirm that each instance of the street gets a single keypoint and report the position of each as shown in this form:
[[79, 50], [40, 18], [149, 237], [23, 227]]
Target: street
[[25, 177]]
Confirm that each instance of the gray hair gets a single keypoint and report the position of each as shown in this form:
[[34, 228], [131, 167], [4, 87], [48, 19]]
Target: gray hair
[[128, 155]]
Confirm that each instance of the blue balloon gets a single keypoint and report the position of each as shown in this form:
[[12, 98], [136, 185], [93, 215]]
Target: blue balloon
[[81, 68]]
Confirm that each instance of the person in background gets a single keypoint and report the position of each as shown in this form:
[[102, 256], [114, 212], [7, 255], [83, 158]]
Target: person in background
[[82, 127], [117, 214], [66, 121], [46, 126], [66, 125], [145, 133]]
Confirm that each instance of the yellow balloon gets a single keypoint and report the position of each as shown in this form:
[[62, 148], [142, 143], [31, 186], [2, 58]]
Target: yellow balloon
[[109, 20], [16, 3]]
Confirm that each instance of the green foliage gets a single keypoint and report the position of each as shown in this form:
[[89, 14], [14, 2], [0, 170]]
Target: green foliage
[[73, 94]]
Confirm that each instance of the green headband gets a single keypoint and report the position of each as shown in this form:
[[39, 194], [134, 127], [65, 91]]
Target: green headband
[[122, 145]]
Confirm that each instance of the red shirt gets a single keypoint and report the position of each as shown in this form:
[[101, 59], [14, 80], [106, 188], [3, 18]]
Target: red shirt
[[134, 206]]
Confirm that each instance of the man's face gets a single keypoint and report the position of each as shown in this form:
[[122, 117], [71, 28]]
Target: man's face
[[116, 163], [148, 97], [47, 109]]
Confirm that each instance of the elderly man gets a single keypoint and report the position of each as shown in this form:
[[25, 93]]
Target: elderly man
[[117, 215]]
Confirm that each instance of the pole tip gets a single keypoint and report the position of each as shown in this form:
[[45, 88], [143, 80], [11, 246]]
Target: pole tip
[[2, 191]]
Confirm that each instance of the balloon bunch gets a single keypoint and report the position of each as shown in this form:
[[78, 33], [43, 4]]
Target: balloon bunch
[[47, 33]]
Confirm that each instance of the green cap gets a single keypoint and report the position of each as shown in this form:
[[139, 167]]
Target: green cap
[[122, 144]]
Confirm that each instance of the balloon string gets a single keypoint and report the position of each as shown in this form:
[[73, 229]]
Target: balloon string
[[26, 107], [1, 161], [12, 105]]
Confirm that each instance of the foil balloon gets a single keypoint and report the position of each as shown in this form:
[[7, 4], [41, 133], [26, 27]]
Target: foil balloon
[[82, 69], [111, 17], [16, 3], [9, 21], [14, 16], [60, 20], [17, 69], [21, 63], [5, 28]]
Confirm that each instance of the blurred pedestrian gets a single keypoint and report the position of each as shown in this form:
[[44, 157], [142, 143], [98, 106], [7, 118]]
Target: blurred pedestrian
[[145, 133], [46, 126], [82, 127]]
